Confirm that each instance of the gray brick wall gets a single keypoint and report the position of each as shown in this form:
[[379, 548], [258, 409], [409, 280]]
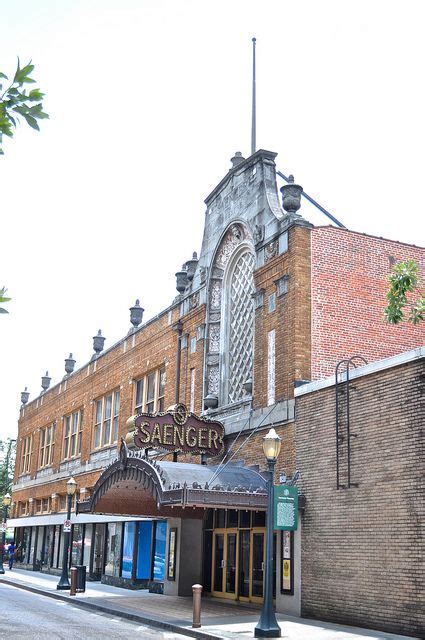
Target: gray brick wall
[[362, 548]]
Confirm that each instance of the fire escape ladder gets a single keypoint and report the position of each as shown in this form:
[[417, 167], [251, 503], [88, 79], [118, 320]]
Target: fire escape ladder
[[343, 433]]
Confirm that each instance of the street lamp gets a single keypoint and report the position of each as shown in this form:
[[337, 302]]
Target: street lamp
[[267, 626], [63, 583], [6, 504]]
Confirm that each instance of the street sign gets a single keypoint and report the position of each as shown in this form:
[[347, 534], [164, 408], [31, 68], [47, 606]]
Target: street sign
[[67, 526], [285, 508]]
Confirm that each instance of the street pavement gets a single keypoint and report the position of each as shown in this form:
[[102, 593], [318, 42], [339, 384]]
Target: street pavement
[[31, 616], [122, 613]]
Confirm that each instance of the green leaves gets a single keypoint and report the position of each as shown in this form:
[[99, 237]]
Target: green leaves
[[22, 75], [3, 299], [403, 280], [16, 103]]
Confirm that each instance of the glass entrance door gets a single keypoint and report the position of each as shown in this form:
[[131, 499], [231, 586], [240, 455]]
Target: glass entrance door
[[257, 565], [225, 563]]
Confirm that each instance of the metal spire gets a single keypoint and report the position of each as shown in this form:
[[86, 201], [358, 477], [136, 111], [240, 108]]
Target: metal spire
[[254, 114]]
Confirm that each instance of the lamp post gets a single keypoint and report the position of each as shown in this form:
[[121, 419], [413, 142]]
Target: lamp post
[[267, 626], [63, 583], [6, 503]]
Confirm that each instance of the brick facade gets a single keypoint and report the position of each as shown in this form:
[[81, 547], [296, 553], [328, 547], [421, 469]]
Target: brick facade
[[362, 548], [319, 296], [349, 281]]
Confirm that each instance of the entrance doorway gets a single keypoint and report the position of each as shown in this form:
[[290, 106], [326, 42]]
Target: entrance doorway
[[225, 563], [234, 556]]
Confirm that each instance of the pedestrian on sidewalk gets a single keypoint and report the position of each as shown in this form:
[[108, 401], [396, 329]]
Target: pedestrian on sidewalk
[[11, 551]]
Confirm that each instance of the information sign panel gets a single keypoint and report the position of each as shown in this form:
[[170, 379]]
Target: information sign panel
[[285, 508]]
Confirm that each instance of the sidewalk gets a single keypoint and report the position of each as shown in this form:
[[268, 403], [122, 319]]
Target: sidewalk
[[174, 613]]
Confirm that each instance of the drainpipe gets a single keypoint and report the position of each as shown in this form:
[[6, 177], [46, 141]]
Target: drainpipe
[[179, 328]]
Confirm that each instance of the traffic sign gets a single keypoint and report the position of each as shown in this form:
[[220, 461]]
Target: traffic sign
[[67, 526], [3, 527]]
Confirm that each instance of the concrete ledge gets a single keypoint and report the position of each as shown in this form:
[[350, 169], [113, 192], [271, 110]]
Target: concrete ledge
[[365, 370], [118, 613]]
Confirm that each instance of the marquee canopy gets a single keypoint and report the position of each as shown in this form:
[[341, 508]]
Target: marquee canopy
[[137, 485]]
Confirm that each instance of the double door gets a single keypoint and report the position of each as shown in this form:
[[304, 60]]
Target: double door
[[238, 564]]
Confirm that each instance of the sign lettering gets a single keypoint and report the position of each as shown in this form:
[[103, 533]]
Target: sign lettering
[[178, 430]]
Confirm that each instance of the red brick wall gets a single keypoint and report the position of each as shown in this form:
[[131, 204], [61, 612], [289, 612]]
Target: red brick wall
[[291, 319], [348, 282]]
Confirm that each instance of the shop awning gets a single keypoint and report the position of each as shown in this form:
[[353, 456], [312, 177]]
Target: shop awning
[[137, 485]]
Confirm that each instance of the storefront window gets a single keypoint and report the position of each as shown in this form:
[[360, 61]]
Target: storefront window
[[88, 535], [32, 545], [77, 544], [98, 550], [39, 549], [113, 549], [56, 546], [128, 549], [25, 550], [144, 551], [47, 547], [60, 548], [159, 557]]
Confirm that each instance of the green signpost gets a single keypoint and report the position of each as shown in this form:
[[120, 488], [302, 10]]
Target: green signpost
[[285, 508]]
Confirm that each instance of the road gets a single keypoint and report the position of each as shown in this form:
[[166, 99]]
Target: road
[[27, 616]]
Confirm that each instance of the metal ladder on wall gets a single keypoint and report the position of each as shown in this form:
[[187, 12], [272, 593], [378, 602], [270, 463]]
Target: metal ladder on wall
[[343, 432]]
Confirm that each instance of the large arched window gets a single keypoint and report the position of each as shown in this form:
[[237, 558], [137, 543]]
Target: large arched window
[[238, 324], [230, 316]]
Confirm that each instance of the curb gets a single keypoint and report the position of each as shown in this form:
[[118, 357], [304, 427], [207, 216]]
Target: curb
[[135, 617]]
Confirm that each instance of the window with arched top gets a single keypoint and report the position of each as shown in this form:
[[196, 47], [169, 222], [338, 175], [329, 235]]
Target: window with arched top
[[238, 325], [230, 321]]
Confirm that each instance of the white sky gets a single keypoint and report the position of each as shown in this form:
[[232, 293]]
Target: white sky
[[148, 101]]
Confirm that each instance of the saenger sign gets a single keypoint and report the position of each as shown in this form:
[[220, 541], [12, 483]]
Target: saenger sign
[[178, 430]]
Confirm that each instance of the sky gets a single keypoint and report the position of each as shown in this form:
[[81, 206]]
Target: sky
[[148, 101]]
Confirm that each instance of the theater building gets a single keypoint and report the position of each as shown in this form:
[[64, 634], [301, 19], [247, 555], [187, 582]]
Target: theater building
[[271, 302]]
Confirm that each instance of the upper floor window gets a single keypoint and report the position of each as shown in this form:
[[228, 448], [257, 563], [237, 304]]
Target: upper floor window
[[73, 434], [26, 453], [47, 445], [150, 392], [106, 419], [63, 501]]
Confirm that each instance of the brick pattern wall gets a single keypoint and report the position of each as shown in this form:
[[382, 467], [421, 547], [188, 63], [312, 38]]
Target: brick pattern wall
[[290, 320], [150, 348], [252, 450], [348, 280], [362, 548]]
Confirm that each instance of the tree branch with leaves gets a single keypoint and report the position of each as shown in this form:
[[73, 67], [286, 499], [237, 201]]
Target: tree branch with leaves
[[3, 299], [16, 103], [7, 465], [404, 279]]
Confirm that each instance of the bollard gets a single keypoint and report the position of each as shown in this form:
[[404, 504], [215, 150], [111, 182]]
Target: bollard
[[73, 589], [197, 592]]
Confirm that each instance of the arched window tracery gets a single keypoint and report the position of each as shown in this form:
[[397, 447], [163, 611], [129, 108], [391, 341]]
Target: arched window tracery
[[230, 317]]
